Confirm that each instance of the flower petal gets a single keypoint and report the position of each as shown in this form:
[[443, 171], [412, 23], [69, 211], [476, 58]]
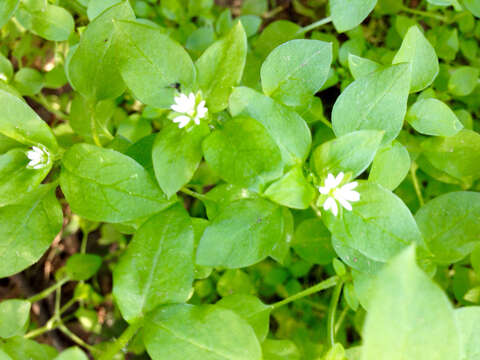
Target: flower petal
[[330, 182], [331, 204], [339, 178], [350, 186]]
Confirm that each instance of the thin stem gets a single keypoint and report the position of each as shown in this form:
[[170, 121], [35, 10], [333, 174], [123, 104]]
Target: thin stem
[[47, 291], [314, 25], [83, 246], [424, 14], [77, 339], [326, 284], [416, 184], [332, 309], [273, 12], [67, 305], [326, 122], [122, 341], [50, 325], [316, 209], [195, 195], [341, 318], [40, 98]]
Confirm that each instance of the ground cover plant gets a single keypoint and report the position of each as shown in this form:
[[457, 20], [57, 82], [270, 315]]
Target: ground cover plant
[[241, 180]]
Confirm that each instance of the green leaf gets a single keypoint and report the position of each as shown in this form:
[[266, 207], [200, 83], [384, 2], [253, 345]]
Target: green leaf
[[409, 316], [420, 54], [463, 81], [105, 185], [275, 34], [285, 126], [449, 224], [95, 8], [28, 81], [296, 70], [354, 258], [179, 332], [280, 350], [92, 69], [352, 152], [222, 195], [176, 156], [15, 178], [458, 155], [292, 190], [390, 166], [73, 353], [7, 9], [347, 14], [433, 117], [379, 100], [21, 123], [221, 66], [312, 242], [19, 348], [242, 234], [251, 309], [379, 226], [54, 23], [145, 66], [157, 267], [473, 6], [82, 266], [4, 355], [243, 153], [360, 67], [15, 315], [468, 323], [28, 228]]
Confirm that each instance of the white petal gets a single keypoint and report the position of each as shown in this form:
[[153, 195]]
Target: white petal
[[351, 195], [350, 186], [177, 108], [39, 166], [197, 120], [339, 179], [339, 196], [182, 120], [324, 190], [331, 204], [330, 182]]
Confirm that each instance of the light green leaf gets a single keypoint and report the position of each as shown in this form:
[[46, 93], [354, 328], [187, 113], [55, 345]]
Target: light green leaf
[[433, 117], [73, 353], [97, 7], [221, 66], [15, 315], [421, 55], [222, 195], [450, 226], [354, 258], [292, 190], [360, 67], [146, 68], [157, 267], [7, 9], [15, 178], [285, 126], [82, 266], [54, 23], [19, 348], [347, 14], [4, 355], [250, 308], [176, 156], [379, 226], [92, 69], [473, 6], [312, 242], [352, 152], [463, 81], [390, 166], [468, 323], [458, 155], [105, 185], [280, 350], [296, 70], [242, 234], [179, 332], [27, 229], [409, 316], [21, 123], [28, 81], [243, 153], [379, 100]]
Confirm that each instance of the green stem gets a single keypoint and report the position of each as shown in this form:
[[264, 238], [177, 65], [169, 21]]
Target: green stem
[[416, 184], [77, 339], [332, 309], [424, 14], [328, 283], [47, 291], [341, 318], [314, 25], [40, 98], [122, 341], [83, 246], [50, 325], [316, 210], [195, 195], [67, 305]]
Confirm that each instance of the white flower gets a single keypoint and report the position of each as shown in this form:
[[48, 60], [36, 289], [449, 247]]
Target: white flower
[[39, 158], [188, 109], [342, 194]]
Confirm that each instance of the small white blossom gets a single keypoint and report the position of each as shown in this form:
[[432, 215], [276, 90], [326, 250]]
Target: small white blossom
[[39, 158], [187, 109], [344, 194]]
